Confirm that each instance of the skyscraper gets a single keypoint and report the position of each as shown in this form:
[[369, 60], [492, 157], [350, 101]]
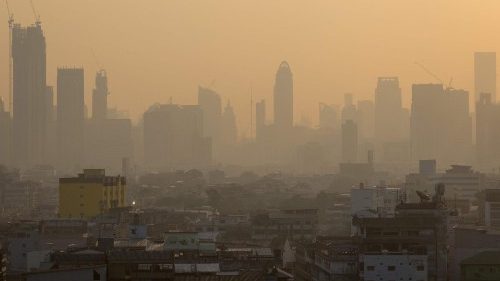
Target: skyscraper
[[485, 74], [173, 138], [29, 88], [283, 97], [5, 135], [349, 141], [229, 131], [327, 116], [211, 106], [364, 116], [100, 96], [388, 110], [349, 109], [487, 132], [70, 117], [260, 119]]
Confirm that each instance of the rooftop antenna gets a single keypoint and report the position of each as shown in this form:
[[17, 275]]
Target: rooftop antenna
[[11, 25], [35, 14]]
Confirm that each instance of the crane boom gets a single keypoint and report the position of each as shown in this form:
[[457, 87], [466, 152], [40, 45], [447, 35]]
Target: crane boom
[[429, 72], [35, 14]]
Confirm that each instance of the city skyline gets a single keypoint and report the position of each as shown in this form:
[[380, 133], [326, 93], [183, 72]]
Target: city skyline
[[320, 76]]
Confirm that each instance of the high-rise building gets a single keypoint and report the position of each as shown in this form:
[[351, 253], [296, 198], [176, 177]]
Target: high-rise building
[[70, 117], [29, 86], [389, 126], [426, 124], [327, 116], [364, 116], [349, 141], [5, 135], [260, 119], [210, 103], [100, 96], [487, 132], [90, 194], [173, 138], [441, 126], [349, 109], [485, 72], [283, 98], [229, 131]]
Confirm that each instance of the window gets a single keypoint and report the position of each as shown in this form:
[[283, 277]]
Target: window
[[370, 268], [391, 268], [420, 268]]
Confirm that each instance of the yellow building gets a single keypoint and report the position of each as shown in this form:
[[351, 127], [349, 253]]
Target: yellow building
[[90, 194]]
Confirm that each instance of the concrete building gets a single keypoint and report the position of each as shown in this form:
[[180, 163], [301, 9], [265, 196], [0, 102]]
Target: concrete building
[[283, 98], [377, 201], [365, 119], [100, 96], [29, 93], [328, 118], [327, 258], [210, 104], [173, 138], [295, 224], [394, 266], [492, 208], [260, 119], [5, 135], [70, 118], [485, 74], [416, 229], [90, 194], [487, 131], [390, 126], [349, 141], [229, 130], [480, 267]]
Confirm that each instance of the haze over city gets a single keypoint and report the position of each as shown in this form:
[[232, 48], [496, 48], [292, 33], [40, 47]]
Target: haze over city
[[156, 49], [249, 140]]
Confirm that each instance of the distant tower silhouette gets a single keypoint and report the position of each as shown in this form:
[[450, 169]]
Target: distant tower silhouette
[[349, 141], [70, 117], [283, 97], [229, 131], [29, 90], [260, 119], [485, 72], [100, 96]]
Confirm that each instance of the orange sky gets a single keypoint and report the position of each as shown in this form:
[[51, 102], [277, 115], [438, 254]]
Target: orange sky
[[154, 49]]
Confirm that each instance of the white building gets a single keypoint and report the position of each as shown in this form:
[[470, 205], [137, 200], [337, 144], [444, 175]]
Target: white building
[[394, 266], [374, 202]]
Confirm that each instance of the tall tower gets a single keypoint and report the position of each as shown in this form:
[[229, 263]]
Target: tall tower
[[28, 89], [70, 117], [260, 118], [485, 74], [349, 141], [283, 97], [389, 124], [100, 96], [210, 103]]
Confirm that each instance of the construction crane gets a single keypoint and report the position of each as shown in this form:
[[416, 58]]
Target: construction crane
[[35, 14], [11, 26], [429, 72], [448, 86]]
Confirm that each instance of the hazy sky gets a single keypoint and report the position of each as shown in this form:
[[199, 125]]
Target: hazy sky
[[156, 49]]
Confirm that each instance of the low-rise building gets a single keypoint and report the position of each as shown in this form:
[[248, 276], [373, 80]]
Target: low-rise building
[[90, 194]]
